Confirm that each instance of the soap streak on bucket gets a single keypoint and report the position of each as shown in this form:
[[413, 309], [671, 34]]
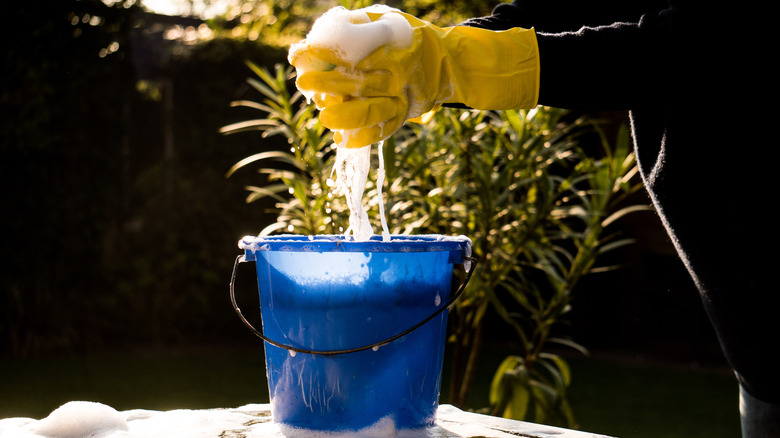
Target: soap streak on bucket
[[375, 293]]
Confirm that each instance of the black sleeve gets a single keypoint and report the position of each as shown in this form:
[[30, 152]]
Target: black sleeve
[[553, 16], [596, 55]]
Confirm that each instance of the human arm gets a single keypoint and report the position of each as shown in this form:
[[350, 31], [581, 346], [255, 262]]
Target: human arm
[[598, 55]]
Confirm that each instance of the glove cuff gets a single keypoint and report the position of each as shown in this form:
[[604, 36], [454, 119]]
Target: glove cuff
[[493, 70]]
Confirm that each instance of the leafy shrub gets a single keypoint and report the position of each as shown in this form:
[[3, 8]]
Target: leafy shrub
[[516, 182]]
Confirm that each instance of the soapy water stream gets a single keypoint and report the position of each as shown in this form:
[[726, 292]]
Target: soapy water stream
[[351, 169], [380, 181]]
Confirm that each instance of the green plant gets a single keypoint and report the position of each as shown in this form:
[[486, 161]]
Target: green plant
[[516, 182], [535, 206], [297, 177], [532, 384]]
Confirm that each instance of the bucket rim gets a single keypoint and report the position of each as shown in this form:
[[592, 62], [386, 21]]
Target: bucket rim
[[341, 243]]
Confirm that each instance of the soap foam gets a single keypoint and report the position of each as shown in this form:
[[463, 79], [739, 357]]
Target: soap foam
[[77, 419], [352, 34], [384, 428]]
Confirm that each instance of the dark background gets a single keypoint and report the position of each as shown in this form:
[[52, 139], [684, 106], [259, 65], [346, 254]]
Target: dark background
[[118, 223], [119, 228]]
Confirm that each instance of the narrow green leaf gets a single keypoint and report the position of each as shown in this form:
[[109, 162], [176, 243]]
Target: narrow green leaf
[[274, 227], [257, 157], [623, 212], [249, 125], [251, 104], [518, 403], [267, 191], [497, 384], [570, 343]]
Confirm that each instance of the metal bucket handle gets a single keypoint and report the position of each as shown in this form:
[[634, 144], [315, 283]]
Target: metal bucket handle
[[259, 334]]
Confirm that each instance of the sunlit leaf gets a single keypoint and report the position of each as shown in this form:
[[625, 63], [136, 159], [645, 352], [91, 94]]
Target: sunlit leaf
[[623, 212], [569, 343], [497, 386], [270, 229], [251, 104], [257, 157], [249, 125], [519, 403], [267, 191]]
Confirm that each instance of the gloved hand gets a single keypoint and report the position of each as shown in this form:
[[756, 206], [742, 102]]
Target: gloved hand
[[369, 70]]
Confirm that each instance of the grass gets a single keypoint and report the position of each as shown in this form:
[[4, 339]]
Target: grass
[[622, 395], [158, 380], [630, 399], [617, 397]]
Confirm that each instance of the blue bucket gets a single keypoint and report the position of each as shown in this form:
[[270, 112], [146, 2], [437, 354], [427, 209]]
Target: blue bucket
[[354, 331]]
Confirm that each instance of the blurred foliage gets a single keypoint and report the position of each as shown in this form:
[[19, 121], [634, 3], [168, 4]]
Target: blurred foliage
[[282, 22], [59, 168], [518, 183], [118, 226], [276, 23]]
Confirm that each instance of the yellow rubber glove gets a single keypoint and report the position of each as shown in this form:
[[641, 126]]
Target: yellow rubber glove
[[371, 69]]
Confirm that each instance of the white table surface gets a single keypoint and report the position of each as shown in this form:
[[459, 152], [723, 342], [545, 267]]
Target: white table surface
[[89, 419]]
